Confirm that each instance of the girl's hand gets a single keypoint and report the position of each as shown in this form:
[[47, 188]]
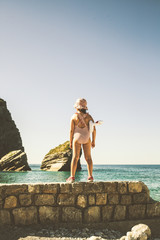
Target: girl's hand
[[93, 144], [71, 145]]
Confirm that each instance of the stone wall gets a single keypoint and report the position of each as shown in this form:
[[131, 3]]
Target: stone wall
[[80, 203]]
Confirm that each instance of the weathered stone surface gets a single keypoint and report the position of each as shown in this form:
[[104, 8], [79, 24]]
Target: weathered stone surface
[[107, 213], [1, 202], [25, 215], [141, 198], [140, 230], [135, 187], [44, 199], [120, 212], [25, 199], [66, 199], [49, 201], [126, 199], [93, 187], [14, 161], [49, 214], [91, 199], [101, 198], [10, 138], [82, 201], [110, 187], [65, 187], [122, 187], [34, 188], [14, 189], [92, 214], [5, 217], [50, 188], [59, 159], [71, 214], [137, 211], [145, 188], [10, 202], [153, 210], [113, 198], [95, 238], [77, 187]]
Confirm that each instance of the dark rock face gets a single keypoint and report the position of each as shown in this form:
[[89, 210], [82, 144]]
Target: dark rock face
[[59, 159], [14, 161], [10, 138], [12, 156]]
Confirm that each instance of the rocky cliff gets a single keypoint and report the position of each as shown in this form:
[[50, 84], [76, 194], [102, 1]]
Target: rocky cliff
[[10, 140], [59, 159]]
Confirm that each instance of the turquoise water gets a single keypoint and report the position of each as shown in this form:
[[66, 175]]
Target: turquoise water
[[149, 174]]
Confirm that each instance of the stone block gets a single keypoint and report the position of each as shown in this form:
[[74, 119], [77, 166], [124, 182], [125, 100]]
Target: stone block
[[49, 214], [77, 188], [101, 198], [120, 212], [1, 202], [110, 187], [145, 188], [34, 188], [25, 215], [137, 211], [50, 188], [5, 217], [126, 199], [107, 213], [96, 187], [91, 199], [10, 202], [153, 210], [82, 201], [71, 214], [113, 198], [25, 199], [92, 214], [65, 187], [66, 199], [122, 187], [141, 198], [44, 199], [135, 187], [15, 189], [1, 189]]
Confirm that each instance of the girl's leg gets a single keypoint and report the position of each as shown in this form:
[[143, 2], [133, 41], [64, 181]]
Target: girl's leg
[[87, 155], [75, 157]]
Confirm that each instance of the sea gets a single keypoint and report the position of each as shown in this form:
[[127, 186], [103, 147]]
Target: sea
[[149, 174]]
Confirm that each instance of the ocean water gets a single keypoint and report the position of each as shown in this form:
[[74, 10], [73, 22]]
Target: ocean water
[[149, 174]]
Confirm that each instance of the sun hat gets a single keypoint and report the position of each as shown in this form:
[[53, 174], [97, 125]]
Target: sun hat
[[81, 103]]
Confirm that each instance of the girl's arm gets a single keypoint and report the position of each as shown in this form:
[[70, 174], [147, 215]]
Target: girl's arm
[[93, 137], [71, 132], [93, 134]]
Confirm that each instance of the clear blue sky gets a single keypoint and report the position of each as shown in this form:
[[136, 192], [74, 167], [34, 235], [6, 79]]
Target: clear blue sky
[[107, 51]]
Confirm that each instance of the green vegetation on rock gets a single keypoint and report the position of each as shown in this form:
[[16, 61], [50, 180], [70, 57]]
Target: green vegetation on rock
[[61, 148]]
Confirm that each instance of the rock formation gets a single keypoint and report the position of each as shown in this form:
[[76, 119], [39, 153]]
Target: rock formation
[[10, 140], [14, 161], [59, 159], [138, 232]]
